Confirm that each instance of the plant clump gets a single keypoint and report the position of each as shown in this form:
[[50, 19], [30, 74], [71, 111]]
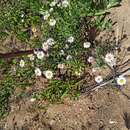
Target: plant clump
[[64, 50]]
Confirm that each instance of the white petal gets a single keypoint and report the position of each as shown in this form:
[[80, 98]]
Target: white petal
[[87, 44], [98, 79]]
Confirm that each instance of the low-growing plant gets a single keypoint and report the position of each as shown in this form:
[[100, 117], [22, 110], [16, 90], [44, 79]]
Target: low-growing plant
[[62, 36], [57, 90]]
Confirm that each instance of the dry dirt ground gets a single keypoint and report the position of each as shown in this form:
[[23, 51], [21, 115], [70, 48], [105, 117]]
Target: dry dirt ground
[[105, 109]]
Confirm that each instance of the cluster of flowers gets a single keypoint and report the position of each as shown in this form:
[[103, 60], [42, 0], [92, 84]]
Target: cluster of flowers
[[111, 61], [62, 4], [40, 54], [46, 14]]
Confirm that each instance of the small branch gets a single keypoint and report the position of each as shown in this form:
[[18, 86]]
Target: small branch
[[89, 89], [15, 54], [18, 54]]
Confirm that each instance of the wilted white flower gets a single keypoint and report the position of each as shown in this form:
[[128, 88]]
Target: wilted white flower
[[98, 79], [31, 57], [48, 74], [32, 99], [51, 10], [40, 54], [22, 15], [62, 52], [50, 41], [22, 63], [65, 3], [66, 46], [110, 59], [34, 29], [121, 80], [52, 22], [45, 46], [38, 72], [46, 15], [70, 39], [90, 59], [61, 66], [69, 57], [87, 44]]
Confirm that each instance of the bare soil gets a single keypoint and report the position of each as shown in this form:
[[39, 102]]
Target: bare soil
[[105, 109]]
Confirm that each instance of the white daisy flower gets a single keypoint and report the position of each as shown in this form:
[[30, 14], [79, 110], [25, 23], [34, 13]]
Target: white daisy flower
[[110, 59], [45, 46], [22, 63], [61, 66], [70, 39], [52, 22], [38, 72], [62, 52], [51, 10], [22, 20], [46, 15], [65, 3], [40, 54], [35, 51], [69, 57], [50, 41], [48, 74], [31, 57], [22, 15], [121, 80], [90, 59], [98, 79], [87, 44]]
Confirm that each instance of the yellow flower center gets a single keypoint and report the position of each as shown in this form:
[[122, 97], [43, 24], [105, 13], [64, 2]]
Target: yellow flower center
[[122, 81]]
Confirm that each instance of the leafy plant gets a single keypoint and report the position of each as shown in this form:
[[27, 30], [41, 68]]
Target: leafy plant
[[57, 90], [6, 89], [80, 21]]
